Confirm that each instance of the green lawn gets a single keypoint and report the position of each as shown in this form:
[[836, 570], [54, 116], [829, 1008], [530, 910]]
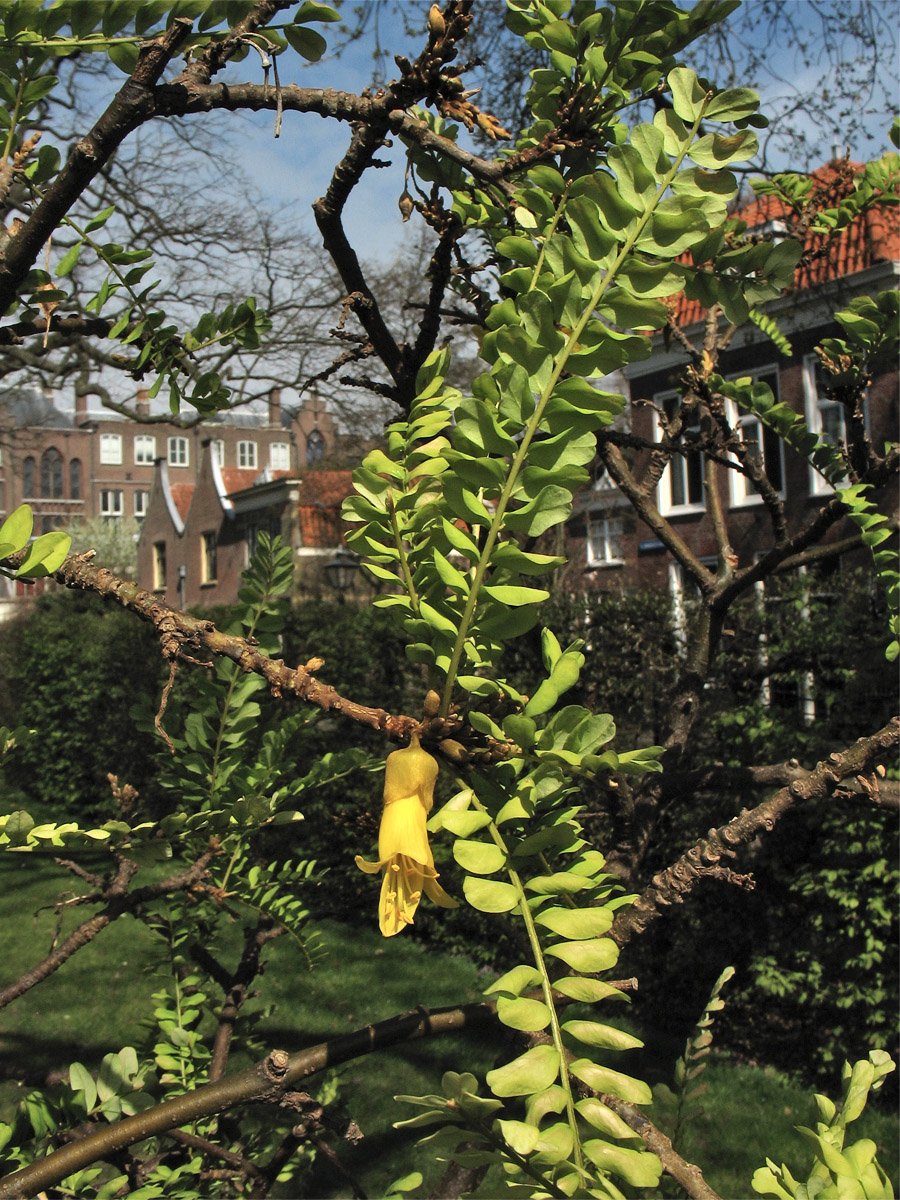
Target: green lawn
[[95, 1003]]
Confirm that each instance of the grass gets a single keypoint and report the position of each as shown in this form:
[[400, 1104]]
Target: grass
[[750, 1111]]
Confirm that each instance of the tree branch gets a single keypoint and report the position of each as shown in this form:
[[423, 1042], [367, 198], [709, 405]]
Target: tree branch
[[689, 1176], [119, 901], [672, 885]]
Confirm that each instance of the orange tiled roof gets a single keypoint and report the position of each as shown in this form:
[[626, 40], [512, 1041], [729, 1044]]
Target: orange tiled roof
[[181, 495], [236, 479], [875, 237], [319, 511]]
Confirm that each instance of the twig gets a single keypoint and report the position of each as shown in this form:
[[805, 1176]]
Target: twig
[[689, 1176], [119, 901], [705, 858]]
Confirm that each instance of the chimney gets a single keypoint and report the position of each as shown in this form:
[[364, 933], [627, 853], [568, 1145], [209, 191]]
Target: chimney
[[81, 408], [142, 403], [275, 408]]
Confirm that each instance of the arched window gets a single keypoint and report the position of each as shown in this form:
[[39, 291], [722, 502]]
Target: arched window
[[75, 478], [51, 474], [315, 447], [28, 477]]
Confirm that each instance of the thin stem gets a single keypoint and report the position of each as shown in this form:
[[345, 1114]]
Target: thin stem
[[546, 987], [535, 420], [14, 118]]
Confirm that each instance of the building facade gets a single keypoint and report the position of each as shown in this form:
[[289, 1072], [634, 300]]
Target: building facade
[[610, 547], [70, 466], [197, 538]]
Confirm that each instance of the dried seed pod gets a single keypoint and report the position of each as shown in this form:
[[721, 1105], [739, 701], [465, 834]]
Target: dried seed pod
[[432, 703]]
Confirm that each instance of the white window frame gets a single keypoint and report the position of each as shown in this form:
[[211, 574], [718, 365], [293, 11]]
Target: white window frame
[[218, 451], [248, 455], [141, 504], [751, 429], [159, 566], [178, 452], [604, 540], [806, 684], [111, 449], [676, 592], [112, 503], [814, 404], [209, 555], [677, 462], [144, 449], [280, 456]]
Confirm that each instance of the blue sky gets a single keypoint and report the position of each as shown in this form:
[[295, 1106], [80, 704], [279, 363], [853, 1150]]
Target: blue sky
[[296, 168]]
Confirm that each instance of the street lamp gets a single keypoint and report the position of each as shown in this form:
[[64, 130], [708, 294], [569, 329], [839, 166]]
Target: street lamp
[[340, 571]]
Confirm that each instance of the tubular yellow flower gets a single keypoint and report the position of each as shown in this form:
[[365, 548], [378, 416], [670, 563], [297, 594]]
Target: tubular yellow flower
[[403, 851]]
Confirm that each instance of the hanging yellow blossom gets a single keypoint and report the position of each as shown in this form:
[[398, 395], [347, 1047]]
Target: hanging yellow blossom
[[403, 851]]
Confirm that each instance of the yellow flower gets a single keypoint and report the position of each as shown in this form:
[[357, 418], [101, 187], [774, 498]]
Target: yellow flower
[[403, 851]]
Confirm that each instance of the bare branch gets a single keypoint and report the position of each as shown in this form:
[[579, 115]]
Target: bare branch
[[672, 885]]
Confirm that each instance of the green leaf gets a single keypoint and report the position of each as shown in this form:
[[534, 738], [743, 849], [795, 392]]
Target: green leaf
[[734, 104], [46, 554], [594, 1034], [522, 1013], [308, 43], [16, 529], [81, 1080], [588, 991], [462, 823], [687, 94], [69, 259], [596, 955], [603, 1118], [482, 858], [521, 1137], [531, 1072], [604, 1079], [123, 55], [311, 10], [490, 895], [513, 596], [516, 981], [576, 923], [639, 1168]]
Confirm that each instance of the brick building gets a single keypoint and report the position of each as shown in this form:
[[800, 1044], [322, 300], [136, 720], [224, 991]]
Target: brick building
[[197, 538], [95, 463], [609, 546]]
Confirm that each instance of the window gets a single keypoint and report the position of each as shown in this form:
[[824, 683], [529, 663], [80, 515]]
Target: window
[[783, 686], [208, 559], [218, 452], [111, 503], [825, 416], [28, 477], [144, 449], [111, 449], [681, 486], [51, 474], [684, 592], [159, 566], [141, 500], [604, 541], [178, 452], [280, 456], [75, 478], [315, 448], [761, 440], [247, 454]]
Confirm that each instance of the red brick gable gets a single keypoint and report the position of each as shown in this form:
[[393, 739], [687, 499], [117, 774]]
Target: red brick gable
[[182, 493], [872, 238]]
